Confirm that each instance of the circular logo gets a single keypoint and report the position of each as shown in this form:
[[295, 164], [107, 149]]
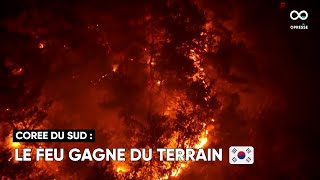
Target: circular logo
[[302, 15], [241, 155]]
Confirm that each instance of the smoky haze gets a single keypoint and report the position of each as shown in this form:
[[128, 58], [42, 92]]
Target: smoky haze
[[262, 80]]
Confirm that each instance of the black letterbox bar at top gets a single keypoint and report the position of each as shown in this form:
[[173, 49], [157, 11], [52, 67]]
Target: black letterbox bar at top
[[69, 135]]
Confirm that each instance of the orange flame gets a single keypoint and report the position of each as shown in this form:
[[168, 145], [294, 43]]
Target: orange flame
[[203, 140], [121, 167], [115, 67], [15, 144]]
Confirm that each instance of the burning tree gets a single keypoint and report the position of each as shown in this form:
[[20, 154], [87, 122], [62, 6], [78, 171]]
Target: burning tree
[[23, 72], [158, 83], [179, 99]]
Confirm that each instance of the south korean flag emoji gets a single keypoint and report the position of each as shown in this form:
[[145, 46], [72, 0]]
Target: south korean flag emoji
[[241, 155]]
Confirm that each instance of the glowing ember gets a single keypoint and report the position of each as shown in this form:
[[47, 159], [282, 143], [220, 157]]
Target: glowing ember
[[203, 141], [158, 83], [177, 171], [17, 71], [41, 45], [115, 67], [121, 167], [15, 144], [11, 144]]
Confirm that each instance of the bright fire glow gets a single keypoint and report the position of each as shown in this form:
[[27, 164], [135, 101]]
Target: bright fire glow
[[15, 144], [17, 71], [41, 45], [121, 167], [200, 76], [177, 171], [202, 140], [115, 67], [176, 168]]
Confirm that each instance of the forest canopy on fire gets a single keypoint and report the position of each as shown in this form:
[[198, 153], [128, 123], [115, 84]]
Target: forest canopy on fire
[[144, 74]]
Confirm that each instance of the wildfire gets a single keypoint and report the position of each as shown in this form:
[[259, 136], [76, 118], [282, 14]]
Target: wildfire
[[11, 144], [115, 67], [176, 172], [159, 83], [121, 168], [175, 169], [15, 144], [200, 76], [17, 71], [203, 140], [41, 45]]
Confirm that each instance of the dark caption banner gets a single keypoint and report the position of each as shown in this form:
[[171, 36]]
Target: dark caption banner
[[72, 135]]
